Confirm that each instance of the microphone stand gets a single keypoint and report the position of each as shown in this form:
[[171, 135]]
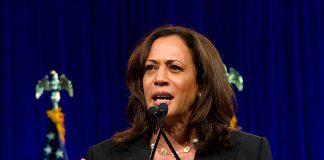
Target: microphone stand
[[156, 144], [170, 146], [160, 132]]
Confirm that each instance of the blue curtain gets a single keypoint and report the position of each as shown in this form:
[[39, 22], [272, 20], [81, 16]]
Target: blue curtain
[[276, 45]]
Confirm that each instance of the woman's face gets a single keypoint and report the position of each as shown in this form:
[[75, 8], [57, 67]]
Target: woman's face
[[170, 76]]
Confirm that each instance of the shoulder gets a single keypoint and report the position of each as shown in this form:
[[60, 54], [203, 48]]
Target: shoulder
[[110, 150], [244, 137], [251, 146], [101, 150]]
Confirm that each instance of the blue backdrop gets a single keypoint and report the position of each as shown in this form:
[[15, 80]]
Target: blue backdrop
[[276, 45]]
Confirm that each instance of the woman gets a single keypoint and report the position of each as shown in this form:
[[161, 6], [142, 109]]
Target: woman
[[181, 68]]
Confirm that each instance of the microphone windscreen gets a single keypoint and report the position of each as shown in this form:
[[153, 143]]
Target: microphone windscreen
[[152, 111], [163, 109]]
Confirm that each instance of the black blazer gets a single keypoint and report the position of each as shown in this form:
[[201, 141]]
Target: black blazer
[[245, 147]]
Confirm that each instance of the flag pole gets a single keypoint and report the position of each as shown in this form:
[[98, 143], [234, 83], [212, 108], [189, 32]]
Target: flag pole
[[55, 143]]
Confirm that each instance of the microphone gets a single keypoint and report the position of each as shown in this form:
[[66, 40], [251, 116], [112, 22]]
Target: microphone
[[153, 111], [163, 109], [159, 113]]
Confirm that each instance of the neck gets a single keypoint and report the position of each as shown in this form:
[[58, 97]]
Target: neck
[[181, 142], [176, 132]]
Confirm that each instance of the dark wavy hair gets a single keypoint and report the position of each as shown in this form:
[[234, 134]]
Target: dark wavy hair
[[211, 112]]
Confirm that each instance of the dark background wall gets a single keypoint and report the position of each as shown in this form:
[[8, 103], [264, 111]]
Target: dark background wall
[[276, 45]]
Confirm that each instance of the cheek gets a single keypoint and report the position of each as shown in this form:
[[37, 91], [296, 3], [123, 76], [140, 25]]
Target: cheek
[[188, 92], [145, 84], [146, 88], [187, 86]]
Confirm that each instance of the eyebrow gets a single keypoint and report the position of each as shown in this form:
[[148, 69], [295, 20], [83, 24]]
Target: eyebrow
[[167, 61]]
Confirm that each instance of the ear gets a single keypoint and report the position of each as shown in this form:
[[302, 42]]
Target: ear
[[199, 94], [200, 91]]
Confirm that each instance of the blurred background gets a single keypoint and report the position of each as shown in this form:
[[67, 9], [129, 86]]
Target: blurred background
[[277, 46]]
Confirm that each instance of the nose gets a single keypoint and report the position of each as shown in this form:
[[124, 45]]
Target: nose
[[161, 77]]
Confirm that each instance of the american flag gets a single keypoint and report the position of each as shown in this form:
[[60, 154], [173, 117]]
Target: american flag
[[54, 148]]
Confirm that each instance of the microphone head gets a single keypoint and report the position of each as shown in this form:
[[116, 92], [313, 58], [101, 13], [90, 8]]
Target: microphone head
[[163, 109], [153, 111]]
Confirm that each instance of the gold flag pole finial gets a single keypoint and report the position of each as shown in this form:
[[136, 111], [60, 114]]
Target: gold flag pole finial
[[55, 86], [234, 77]]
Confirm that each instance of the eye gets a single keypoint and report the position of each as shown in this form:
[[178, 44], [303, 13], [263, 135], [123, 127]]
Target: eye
[[149, 68], [175, 68]]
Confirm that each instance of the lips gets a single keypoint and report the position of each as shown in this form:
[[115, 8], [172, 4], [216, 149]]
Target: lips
[[161, 97]]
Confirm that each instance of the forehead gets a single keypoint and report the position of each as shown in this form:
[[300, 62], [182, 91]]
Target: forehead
[[170, 48]]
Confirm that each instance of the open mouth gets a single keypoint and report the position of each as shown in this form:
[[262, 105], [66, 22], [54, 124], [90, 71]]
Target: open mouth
[[161, 97]]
